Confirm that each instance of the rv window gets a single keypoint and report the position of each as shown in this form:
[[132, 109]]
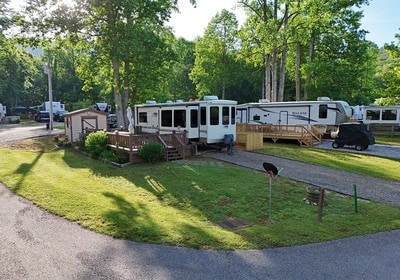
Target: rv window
[[180, 118], [166, 118], [323, 111], [225, 115], [194, 122], [373, 114], [214, 115], [203, 115], [256, 118], [233, 115], [389, 115], [143, 117]]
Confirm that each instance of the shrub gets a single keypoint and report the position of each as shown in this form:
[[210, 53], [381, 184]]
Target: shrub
[[151, 151], [96, 143]]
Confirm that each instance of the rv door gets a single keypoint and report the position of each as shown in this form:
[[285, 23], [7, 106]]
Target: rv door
[[283, 118], [193, 122]]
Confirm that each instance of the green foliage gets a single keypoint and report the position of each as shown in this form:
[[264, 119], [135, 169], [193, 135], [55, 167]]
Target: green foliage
[[96, 143], [152, 151]]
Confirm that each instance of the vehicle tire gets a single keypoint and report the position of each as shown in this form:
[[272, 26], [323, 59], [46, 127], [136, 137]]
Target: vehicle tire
[[335, 145], [359, 147]]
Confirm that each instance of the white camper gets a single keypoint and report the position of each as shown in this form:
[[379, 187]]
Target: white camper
[[324, 111], [3, 111], [103, 107], [206, 121], [57, 106], [381, 115]]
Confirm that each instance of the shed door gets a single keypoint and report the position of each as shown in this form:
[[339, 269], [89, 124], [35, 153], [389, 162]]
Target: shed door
[[89, 123]]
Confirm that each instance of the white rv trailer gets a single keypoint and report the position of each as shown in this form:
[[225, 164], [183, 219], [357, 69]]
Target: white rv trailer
[[206, 121], [3, 111], [324, 111], [103, 107], [381, 115]]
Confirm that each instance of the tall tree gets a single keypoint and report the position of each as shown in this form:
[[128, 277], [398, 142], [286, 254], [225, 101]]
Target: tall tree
[[119, 30], [214, 67], [388, 74]]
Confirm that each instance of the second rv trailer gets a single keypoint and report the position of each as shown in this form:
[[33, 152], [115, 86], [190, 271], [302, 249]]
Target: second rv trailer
[[321, 112], [205, 121]]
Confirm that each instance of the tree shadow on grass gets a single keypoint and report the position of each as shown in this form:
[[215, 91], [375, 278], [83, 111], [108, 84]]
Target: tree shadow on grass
[[24, 170], [135, 223]]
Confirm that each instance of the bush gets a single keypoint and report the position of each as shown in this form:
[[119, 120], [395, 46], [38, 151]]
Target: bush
[[96, 143], [152, 151]]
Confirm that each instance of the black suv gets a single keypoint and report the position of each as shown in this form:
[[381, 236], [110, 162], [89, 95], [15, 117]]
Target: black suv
[[42, 116]]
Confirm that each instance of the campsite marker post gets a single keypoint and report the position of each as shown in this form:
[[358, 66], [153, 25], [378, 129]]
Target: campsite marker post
[[272, 171], [355, 198]]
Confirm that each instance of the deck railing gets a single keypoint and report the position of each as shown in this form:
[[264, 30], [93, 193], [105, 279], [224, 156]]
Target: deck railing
[[132, 143], [275, 132]]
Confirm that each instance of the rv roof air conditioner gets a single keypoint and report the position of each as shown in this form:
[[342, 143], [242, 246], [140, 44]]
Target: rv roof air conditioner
[[179, 101], [323, 98], [210, 97], [264, 100], [151, 102]]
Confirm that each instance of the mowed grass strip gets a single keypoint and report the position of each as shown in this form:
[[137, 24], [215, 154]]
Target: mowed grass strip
[[184, 203], [375, 166]]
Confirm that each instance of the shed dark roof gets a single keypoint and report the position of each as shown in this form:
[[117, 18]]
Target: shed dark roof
[[81, 111]]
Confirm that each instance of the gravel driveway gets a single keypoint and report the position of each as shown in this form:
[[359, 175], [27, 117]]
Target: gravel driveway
[[341, 181]]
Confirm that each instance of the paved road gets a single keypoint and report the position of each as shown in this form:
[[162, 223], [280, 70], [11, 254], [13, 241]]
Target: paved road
[[38, 245], [12, 132]]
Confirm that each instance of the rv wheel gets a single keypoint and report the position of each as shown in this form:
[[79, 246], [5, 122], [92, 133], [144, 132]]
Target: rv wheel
[[335, 145], [359, 147]]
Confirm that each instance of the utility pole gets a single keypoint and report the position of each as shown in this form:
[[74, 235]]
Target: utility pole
[[47, 71]]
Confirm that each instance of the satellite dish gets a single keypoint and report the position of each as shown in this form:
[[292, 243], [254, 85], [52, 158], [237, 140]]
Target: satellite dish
[[270, 168]]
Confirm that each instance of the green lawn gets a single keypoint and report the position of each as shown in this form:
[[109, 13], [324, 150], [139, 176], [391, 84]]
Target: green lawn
[[358, 163], [388, 139], [183, 203]]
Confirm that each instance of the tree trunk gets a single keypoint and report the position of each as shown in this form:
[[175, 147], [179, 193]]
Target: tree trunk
[[125, 97], [282, 74], [274, 93], [298, 74], [310, 60], [268, 77], [117, 94]]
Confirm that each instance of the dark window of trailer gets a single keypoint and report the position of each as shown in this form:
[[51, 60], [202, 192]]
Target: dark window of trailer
[[256, 117], [225, 115], [214, 115], [373, 115], [166, 118], [143, 117], [389, 115], [194, 122], [233, 115], [203, 115], [323, 111], [180, 118]]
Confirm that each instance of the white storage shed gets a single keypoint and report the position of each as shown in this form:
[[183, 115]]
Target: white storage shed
[[77, 122]]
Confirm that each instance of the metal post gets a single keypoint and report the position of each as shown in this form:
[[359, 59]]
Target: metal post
[[47, 71], [270, 199], [355, 198]]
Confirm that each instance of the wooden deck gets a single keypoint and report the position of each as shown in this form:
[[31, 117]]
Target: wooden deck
[[305, 136], [175, 145]]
